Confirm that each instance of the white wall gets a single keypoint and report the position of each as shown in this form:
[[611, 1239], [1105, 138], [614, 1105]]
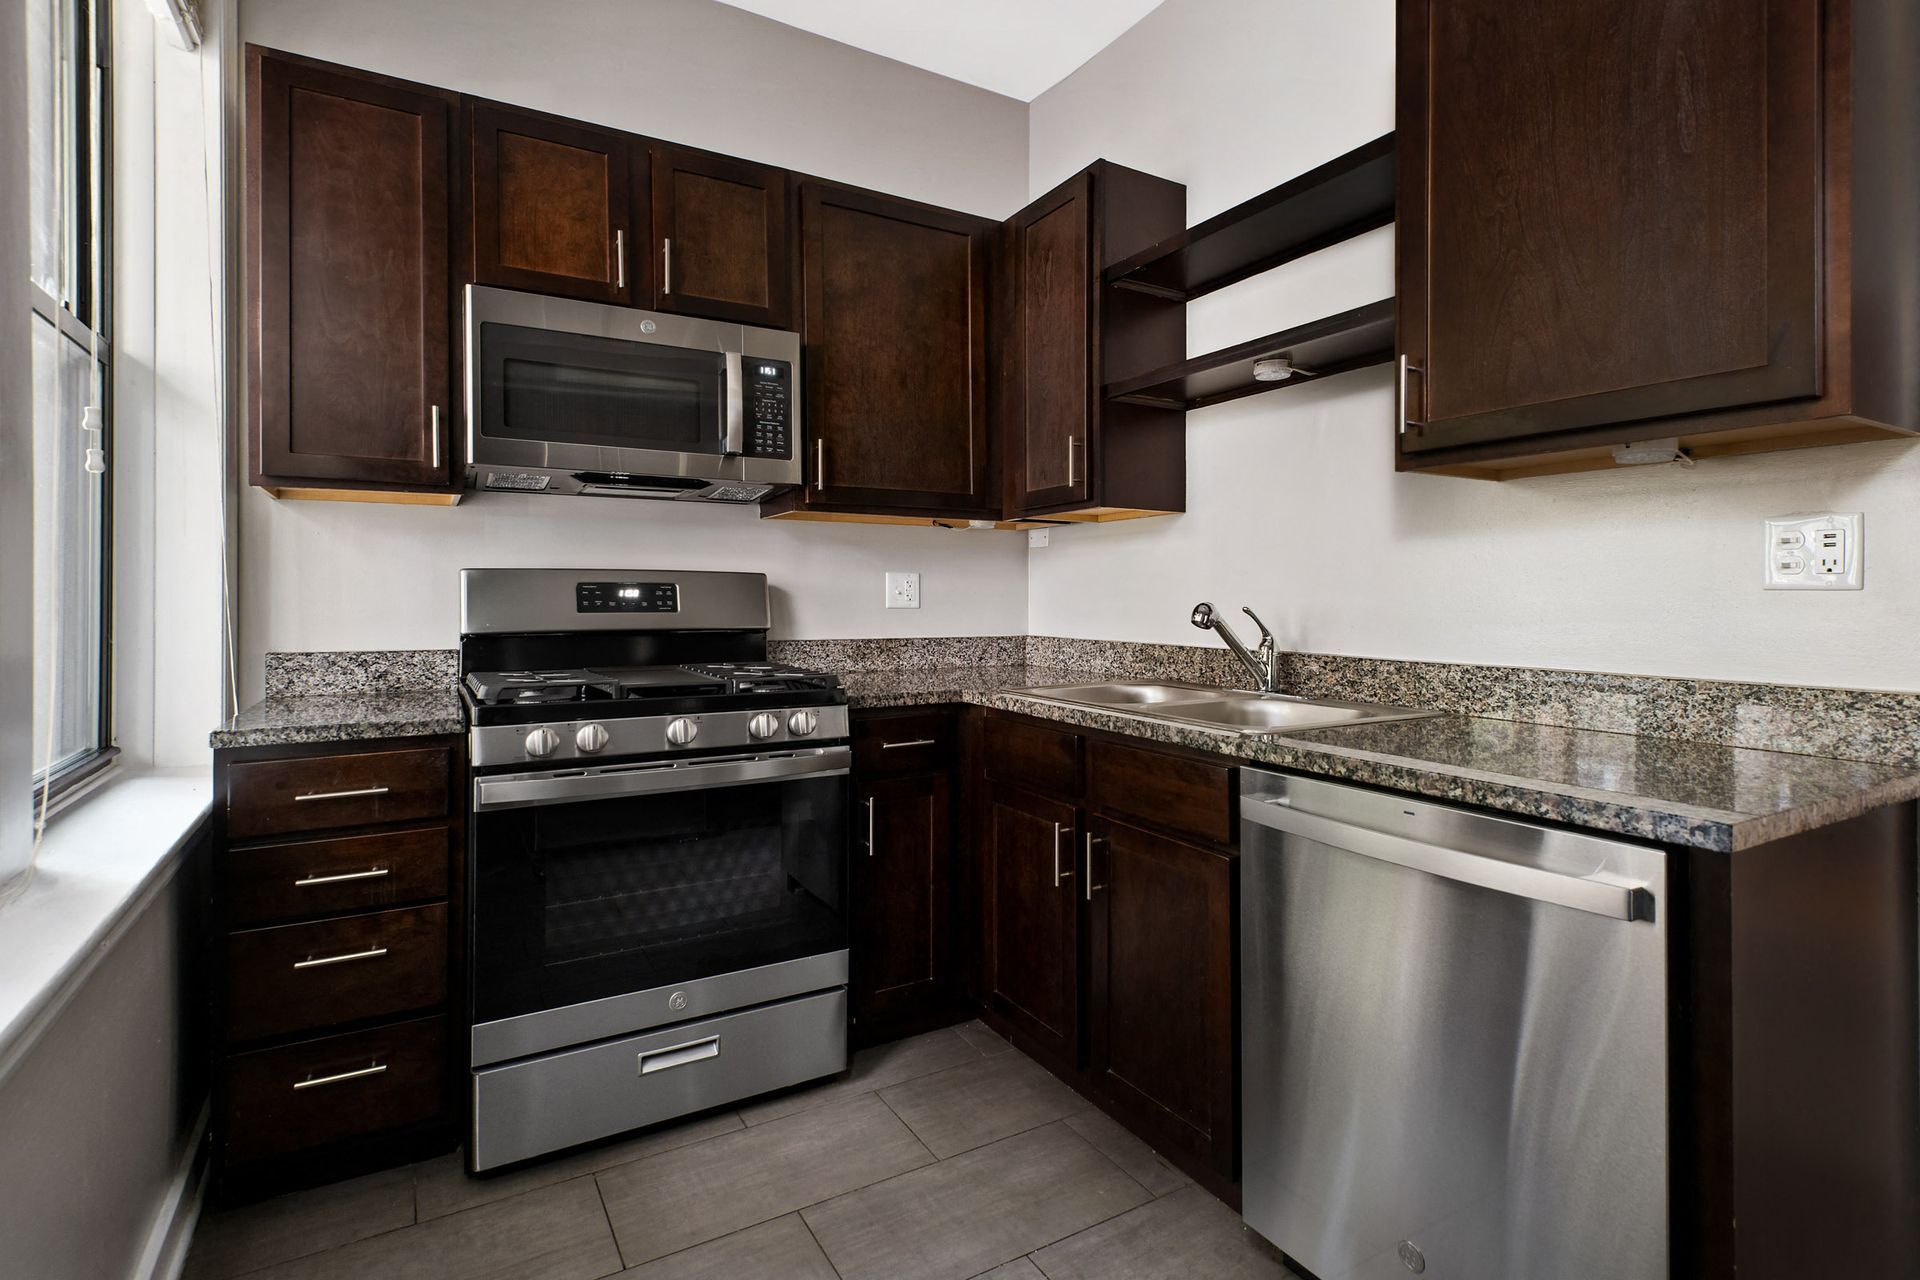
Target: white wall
[[1293, 504], [347, 576]]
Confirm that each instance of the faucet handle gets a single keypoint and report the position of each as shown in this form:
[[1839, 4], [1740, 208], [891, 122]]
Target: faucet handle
[[1266, 636]]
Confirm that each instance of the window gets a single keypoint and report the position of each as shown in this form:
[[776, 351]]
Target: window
[[69, 297]]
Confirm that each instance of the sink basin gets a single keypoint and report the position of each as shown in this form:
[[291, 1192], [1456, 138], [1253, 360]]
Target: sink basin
[[1235, 710]]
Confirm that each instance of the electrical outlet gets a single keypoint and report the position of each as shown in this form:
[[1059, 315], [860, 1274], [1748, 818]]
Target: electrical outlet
[[1816, 553], [903, 591]]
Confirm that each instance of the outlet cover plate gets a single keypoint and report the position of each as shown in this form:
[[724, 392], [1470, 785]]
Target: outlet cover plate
[[1816, 553], [903, 591]]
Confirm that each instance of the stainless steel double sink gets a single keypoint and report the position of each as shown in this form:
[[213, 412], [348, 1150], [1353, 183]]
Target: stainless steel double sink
[[1230, 710]]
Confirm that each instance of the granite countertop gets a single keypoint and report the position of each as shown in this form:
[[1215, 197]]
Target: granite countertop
[[1693, 794], [346, 716]]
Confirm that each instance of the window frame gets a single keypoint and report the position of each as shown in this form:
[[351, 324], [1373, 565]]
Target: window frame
[[88, 221]]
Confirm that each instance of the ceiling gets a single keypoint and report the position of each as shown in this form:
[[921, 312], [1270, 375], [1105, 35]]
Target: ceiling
[[1020, 48]]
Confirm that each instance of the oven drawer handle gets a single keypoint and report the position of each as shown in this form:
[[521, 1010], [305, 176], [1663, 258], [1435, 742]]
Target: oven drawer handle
[[528, 789], [342, 795], [679, 1055], [910, 742], [371, 953], [343, 876], [314, 1082]]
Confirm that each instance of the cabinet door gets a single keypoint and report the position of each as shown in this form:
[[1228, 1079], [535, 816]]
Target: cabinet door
[[1050, 263], [1032, 933], [1607, 213], [900, 884], [551, 206], [349, 198], [1161, 961], [720, 235], [893, 313]]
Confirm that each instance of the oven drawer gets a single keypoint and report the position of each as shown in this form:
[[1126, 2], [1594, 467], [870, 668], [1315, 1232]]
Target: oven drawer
[[578, 1095], [328, 877], [886, 745], [319, 1091], [295, 977], [317, 793]]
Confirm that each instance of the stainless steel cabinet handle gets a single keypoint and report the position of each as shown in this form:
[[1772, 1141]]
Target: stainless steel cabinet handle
[[1400, 403], [819, 463], [679, 1055], [1091, 887], [1071, 478], [869, 826], [342, 795], [314, 1082], [910, 742], [619, 259], [1058, 874], [1620, 899], [374, 874], [436, 435], [371, 953], [666, 266]]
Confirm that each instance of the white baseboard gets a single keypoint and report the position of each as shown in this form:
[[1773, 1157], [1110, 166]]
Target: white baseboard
[[165, 1255]]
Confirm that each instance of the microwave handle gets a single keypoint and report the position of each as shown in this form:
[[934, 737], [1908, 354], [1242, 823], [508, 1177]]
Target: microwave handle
[[734, 429]]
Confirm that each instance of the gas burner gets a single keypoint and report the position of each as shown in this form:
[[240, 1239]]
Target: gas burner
[[763, 677], [523, 688]]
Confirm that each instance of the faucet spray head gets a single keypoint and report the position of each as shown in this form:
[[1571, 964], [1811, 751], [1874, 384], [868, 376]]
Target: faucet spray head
[[1203, 616]]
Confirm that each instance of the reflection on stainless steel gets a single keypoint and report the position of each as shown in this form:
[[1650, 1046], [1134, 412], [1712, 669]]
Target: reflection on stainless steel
[[1263, 663], [1230, 709], [1455, 1040]]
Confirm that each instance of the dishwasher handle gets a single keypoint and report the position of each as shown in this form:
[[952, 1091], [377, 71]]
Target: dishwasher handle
[[1616, 898]]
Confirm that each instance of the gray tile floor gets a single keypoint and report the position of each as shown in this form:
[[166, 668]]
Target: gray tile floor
[[946, 1155]]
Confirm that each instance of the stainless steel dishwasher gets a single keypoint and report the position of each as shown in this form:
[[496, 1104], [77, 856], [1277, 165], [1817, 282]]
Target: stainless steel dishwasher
[[1454, 1040]]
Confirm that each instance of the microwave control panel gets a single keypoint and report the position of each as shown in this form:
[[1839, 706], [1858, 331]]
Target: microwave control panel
[[769, 407], [626, 597]]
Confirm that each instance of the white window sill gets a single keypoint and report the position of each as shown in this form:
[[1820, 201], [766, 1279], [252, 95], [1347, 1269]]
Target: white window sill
[[100, 863]]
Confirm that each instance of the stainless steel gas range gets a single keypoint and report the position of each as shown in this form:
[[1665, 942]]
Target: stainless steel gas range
[[657, 891]]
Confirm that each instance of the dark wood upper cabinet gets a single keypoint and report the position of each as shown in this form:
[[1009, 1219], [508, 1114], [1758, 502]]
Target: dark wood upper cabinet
[[1032, 891], [349, 204], [893, 314], [900, 880], [1638, 221], [1062, 334], [551, 206], [720, 238], [1160, 960]]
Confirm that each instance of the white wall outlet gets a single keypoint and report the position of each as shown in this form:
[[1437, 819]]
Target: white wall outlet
[[903, 591], [1816, 553], [1037, 537]]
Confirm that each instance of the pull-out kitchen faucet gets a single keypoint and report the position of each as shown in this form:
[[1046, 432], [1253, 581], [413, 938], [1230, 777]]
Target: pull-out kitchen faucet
[[1263, 663]]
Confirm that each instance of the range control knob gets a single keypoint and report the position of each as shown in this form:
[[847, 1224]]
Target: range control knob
[[802, 723], [682, 731], [763, 726], [590, 737], [542, 742]]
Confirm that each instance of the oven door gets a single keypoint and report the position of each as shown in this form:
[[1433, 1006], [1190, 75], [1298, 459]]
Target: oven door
[[605, 901]]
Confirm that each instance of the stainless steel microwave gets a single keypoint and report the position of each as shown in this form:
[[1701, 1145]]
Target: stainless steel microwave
[[583, 398]]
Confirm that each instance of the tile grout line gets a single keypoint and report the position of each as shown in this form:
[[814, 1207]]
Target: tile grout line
[[612, 1231], [831, 1264]]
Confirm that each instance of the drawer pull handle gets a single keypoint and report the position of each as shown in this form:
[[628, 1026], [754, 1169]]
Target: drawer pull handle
[[314, 1082], [371, 953], [374, 874], [911, 742], [679, 1055], [342, 795]]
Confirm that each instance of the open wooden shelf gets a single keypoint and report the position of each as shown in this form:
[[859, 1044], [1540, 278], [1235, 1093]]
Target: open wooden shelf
[[1335, 202], [1351, 340]]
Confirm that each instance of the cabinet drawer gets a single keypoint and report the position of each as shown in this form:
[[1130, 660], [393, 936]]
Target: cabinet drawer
[[1166, 790], [918, 743], [319, 1091], [330, 877], [297, 977], [1033, 755], [316, 793]]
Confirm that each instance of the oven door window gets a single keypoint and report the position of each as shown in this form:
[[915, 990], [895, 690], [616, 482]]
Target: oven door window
[[576, 389], [580, 901]]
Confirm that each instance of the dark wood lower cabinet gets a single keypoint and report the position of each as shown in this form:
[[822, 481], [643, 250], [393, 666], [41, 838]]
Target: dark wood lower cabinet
[[1032, 919], [899, 879], [1160, 966]]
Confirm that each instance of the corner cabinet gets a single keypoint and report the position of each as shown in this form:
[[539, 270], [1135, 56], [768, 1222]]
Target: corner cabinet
[[893, 315], [349, 303], [1721, 257]]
